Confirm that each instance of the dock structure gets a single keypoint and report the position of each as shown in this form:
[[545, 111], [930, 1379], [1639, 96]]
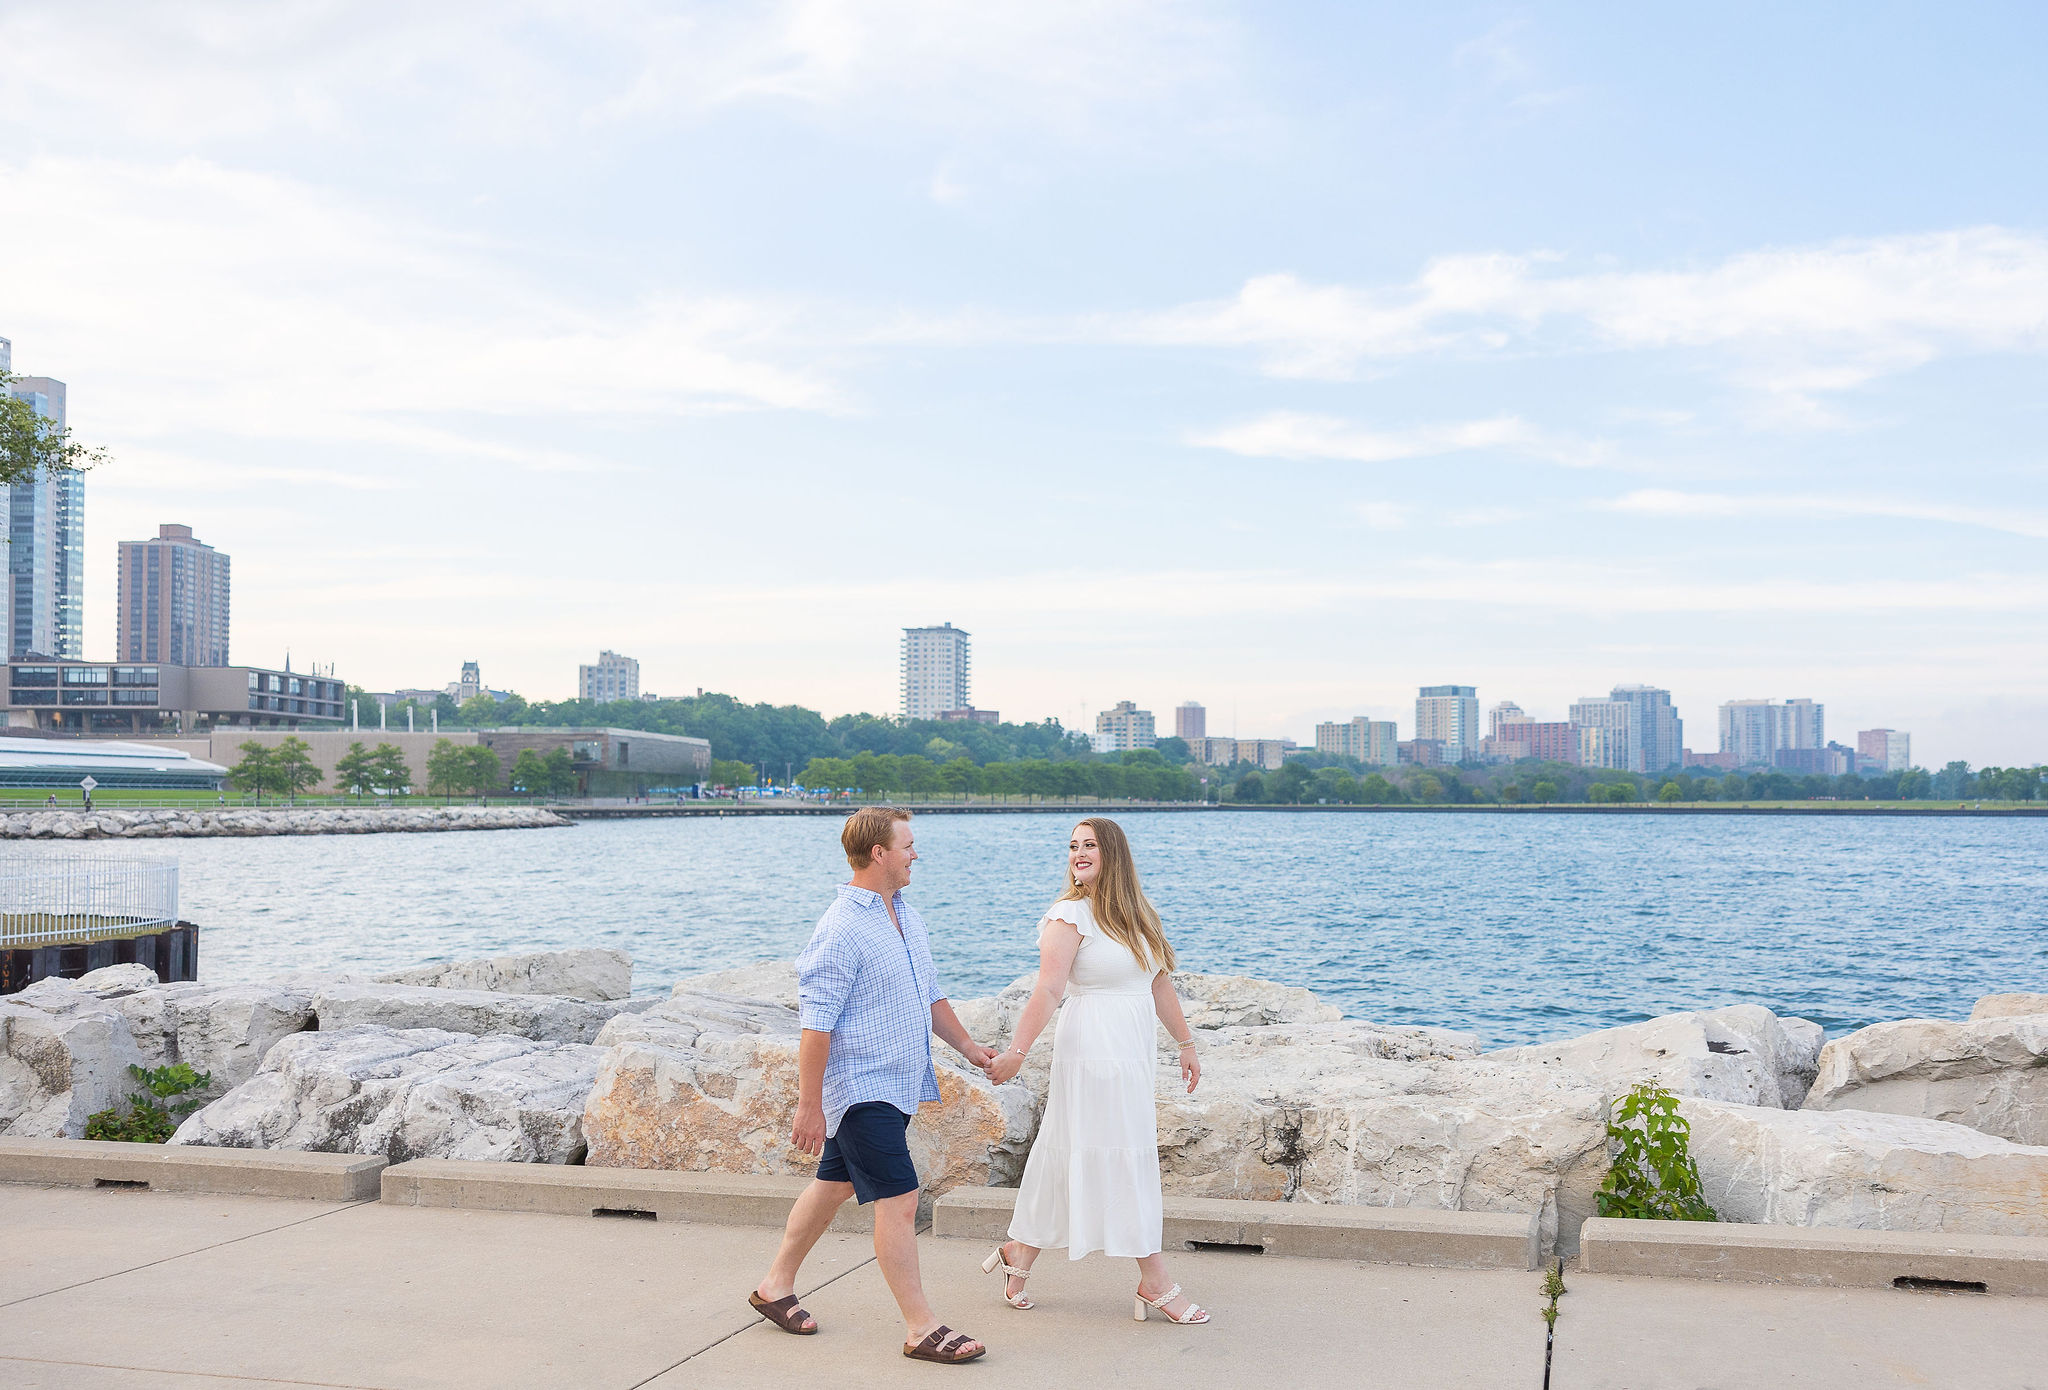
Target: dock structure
[[64, 917]]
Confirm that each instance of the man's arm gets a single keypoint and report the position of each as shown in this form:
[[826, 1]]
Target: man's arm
[[808, 1131], [947, 1025]]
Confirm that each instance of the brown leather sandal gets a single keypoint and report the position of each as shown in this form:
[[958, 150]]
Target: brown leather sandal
[[784, 1313], [951, 1354]]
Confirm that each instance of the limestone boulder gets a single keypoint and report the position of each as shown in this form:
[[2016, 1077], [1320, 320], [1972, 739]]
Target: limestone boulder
[[1382, 1117], [2009, 1006], [707, 1083], [409, 1093], [117, 977], [1990, 1074], [590, 973], [1744, 1053], [1228, 1001], [61, 1064], [773, 980], [1864, 1170], [541, 1017]]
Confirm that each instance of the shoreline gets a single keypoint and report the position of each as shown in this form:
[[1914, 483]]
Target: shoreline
[[1694, 808]]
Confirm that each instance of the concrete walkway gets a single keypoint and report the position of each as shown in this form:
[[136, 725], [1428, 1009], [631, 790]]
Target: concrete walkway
[[152, 1290]]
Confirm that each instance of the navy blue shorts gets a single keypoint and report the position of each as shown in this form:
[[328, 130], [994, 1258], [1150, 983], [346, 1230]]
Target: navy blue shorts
[[870, 1151]]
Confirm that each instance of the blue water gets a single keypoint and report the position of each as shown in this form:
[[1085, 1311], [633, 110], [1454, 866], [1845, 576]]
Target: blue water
[[1514, 927]]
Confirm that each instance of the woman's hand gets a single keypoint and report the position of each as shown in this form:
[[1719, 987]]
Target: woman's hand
[[1190, 1068], [1003, 1067]]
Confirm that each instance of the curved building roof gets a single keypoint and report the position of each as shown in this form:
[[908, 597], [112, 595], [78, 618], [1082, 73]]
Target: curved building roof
[[63, 762]]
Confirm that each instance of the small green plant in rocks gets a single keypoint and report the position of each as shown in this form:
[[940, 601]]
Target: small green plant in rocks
[[152, 1118], [1653, 1177]]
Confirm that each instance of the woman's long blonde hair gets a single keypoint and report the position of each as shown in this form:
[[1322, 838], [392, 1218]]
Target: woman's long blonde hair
[[1121, 908]]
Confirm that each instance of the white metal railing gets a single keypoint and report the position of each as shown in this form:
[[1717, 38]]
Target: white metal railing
[[47, 901]]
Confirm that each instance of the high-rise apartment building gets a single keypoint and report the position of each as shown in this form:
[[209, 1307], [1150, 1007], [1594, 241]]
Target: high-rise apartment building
[[614, 677], [1752, 731], [1123, 725], [1506, 712], [1449, 714], [1190, 722], [1749, 732], [1656, 735], [1884, 750], [1802, 724], [171, 600], [45, 541], [1371, 741], [936, 665], [1614, 719]]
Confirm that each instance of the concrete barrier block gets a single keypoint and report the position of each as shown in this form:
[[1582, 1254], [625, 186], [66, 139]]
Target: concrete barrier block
[[724, 1199], [190, 1168], [1382, 1235], [1815, 1255]]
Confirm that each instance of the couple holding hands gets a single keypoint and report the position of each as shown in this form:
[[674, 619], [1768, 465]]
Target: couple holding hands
[[870, 1002]]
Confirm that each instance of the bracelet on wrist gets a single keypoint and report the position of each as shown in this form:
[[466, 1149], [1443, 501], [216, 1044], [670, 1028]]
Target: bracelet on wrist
[[1189, 1043]]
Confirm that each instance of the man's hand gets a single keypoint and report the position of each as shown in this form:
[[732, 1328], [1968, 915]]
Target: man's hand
[[1003, 1067], [808, 1133], [976, 1054]]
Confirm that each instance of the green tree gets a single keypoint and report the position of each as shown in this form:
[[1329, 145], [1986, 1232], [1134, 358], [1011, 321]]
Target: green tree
[[1511, 793], [356, 770], [1915, 784], [1425, 787], [448, 769], [561, 772], [530, 773], [293, 766], [257, 772], [725, 772], [1954, 781], [1250, 787], [391, 773], [479, 712], [1545, 792], [1289, 782], [1670, 792], [32, 443], [484, 768]]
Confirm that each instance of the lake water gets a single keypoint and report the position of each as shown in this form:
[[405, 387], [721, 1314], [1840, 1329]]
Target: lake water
[[1517, 928]]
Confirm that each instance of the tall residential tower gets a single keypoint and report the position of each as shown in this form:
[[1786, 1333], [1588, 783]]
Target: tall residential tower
[[45, 541], [936, 666], [171, 601], [1450, 715]]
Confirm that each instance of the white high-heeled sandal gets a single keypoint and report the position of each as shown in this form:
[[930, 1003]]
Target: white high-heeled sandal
[[1196, 1312], [1021, 1300]]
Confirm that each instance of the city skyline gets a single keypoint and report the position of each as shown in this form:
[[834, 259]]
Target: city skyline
[[1517, 365]]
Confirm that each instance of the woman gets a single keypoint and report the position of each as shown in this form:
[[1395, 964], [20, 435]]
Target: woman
[[1092, 1182]]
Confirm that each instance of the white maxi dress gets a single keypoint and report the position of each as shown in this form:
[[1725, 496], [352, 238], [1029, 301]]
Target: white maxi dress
[[1092, 1181]]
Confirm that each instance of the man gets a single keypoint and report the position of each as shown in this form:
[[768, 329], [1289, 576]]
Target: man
[[870, 1002]]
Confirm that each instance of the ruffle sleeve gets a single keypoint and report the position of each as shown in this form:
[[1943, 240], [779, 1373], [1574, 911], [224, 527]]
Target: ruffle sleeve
[[1077, 912]]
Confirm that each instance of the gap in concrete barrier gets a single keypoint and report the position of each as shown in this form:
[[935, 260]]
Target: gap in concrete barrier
[[1224, 1247], [121, 1185], [624, 1213], [1916, 1284]]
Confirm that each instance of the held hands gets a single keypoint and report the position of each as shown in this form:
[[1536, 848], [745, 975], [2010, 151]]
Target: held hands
[[976, 1054], [1003, 1067]]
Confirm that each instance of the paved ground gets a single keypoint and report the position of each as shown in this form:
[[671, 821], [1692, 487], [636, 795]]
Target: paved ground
[[103, 1289]]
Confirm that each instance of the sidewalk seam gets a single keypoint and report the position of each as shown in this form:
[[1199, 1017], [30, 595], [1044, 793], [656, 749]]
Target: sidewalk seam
[[196, 1375], [744, 1326], [186, 1254]]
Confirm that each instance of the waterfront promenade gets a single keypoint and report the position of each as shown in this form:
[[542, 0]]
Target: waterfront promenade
[[163, 1291]]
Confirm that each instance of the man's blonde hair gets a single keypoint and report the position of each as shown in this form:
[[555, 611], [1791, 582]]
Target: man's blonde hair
[[869, 829]]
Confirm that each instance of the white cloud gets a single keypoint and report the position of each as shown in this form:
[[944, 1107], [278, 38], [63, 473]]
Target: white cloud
[[1293, 435], [202, 298], [1799, 321], [1384, 516], [2018, 521], [499, 72]]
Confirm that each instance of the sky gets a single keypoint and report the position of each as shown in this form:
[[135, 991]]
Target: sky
[[1283, 357]]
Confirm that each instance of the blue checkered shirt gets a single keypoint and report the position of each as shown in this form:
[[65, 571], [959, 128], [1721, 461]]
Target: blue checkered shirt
[[872, 990]]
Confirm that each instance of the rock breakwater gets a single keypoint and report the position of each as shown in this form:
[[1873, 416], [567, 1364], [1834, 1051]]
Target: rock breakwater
[[545, 1058], [175, 822]]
